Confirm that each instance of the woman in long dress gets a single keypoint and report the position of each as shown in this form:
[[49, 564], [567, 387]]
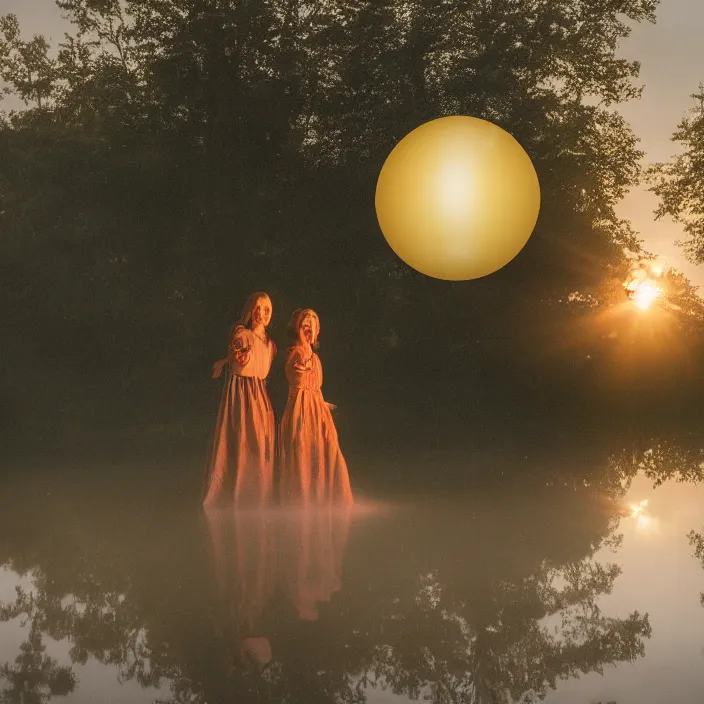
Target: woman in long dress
[[312, 468], [241, 464]]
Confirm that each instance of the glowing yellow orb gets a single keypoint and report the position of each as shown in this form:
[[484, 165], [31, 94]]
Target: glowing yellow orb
[[457, 198]]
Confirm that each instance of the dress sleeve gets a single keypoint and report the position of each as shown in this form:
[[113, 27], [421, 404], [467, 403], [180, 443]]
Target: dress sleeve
[[239, 350], [297, 367]]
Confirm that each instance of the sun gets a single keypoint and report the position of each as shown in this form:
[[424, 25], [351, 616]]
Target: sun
[[643, 288], [645, 295]]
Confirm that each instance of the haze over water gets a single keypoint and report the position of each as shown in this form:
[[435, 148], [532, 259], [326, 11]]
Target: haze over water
[[496, 594]]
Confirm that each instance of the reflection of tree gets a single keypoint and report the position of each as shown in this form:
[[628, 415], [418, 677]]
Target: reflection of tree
[[696, 540], [35, 677], [76, 605], [82, 585], [663, 460], [484, 639], [460, 603]]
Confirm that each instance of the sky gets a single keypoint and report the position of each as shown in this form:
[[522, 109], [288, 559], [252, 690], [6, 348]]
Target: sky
[[672, 65]]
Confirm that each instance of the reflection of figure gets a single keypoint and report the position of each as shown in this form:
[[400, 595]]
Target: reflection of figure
[[242, 454], [312, 465], [244, 553], [312, 546]]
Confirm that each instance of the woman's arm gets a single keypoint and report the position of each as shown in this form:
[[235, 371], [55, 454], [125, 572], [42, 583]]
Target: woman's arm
[[301, 363], [239, 352], [218, 367], [240, 349], [302, 366]]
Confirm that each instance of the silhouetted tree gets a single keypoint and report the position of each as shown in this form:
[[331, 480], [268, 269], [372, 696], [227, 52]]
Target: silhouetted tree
[[188, 152], [678, 183]]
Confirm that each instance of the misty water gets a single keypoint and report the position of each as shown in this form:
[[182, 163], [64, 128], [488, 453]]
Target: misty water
[[577, 587]]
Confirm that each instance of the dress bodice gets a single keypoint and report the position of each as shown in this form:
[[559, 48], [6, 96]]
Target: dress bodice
[[310, 378], [249, 355]]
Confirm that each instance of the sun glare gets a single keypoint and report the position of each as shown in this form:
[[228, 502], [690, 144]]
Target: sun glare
[[637, 509], [645, 294], [643, 288], [640, 516]]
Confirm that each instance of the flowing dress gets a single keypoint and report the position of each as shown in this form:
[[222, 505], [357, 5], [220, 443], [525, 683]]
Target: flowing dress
[[241, 464], [312, 468]]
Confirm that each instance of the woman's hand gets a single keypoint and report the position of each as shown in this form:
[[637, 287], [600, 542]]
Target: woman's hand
[[331, 406], [303, 365], [241, 356], [218, 367]]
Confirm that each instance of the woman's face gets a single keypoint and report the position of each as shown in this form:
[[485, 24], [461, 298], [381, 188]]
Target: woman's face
[[261, 313], [309, 328]]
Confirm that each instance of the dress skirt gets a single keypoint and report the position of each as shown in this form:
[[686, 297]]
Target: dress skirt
[[240, 469]]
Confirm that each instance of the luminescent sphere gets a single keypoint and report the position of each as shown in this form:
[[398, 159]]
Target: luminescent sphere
[[457, 198]]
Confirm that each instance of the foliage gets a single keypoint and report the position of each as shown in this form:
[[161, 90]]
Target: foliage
[[176, 155], [696, 540], [679, 182]]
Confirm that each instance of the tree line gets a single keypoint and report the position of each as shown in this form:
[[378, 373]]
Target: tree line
[[174, 155]]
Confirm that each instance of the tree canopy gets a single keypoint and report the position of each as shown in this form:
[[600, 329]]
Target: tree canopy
[[176, 154], [678, 183]]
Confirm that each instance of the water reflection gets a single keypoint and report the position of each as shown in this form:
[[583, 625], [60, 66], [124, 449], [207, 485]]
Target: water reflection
[[501, 596], [658, 571], [244, 560], [34, 677], [696, 540], [478, 623], [256, 557], [312, 547]]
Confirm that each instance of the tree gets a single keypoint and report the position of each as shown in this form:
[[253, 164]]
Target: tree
[[26, 68], [192, 151], [679, 182]]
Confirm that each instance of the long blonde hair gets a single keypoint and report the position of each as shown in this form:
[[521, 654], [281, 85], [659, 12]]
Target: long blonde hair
[[294, 325], [245, 320]]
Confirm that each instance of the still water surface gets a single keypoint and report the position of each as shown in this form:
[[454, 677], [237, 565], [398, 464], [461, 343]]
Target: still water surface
[[587, 590]]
